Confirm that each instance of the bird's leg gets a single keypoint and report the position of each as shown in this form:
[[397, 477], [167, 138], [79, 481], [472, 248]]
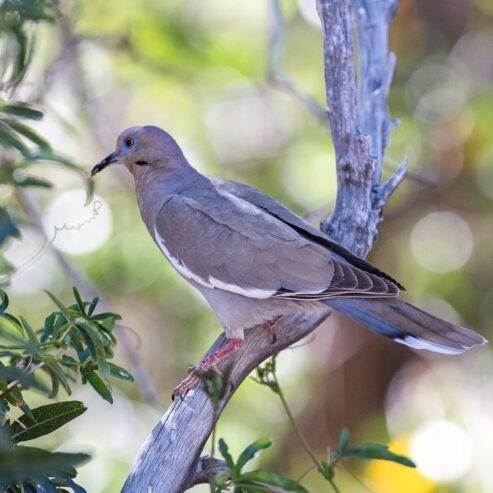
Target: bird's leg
[[206, 364]]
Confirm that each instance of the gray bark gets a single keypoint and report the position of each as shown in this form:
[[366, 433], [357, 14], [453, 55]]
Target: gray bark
[[360, 126]]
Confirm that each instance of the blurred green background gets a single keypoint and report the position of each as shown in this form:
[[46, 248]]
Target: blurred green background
[[197, 69]]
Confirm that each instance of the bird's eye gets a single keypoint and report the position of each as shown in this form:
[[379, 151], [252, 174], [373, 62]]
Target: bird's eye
[[129, 142]]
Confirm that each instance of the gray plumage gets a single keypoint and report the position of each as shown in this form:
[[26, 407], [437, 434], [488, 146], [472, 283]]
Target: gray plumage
[[253, 259]]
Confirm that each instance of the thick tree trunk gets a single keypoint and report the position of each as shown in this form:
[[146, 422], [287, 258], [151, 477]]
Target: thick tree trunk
[[360, 126]]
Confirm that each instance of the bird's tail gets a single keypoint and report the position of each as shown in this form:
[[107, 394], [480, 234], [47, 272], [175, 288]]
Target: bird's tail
[[407, 324]]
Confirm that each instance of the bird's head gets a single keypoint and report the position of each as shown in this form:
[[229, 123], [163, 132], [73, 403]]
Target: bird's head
[[142, 150]]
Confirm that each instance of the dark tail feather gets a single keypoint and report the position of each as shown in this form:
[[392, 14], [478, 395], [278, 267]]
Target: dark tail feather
[[407, 324]]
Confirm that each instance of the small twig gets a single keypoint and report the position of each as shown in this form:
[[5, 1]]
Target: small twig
[[416, 177], [294, 426], [306, 472], [275, 72], [383, 192], [297, 431], [204, 465]]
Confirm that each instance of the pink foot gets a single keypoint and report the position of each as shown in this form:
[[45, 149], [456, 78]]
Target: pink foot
[[209, 362]]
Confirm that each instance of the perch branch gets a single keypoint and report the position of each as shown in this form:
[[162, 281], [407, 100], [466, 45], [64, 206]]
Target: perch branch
[[169, 460]]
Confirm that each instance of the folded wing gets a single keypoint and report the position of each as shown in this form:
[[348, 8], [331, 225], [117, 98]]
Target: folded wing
[[224, 242]]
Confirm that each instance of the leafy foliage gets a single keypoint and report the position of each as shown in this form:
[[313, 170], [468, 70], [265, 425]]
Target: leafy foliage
[[266, 375], [15, 18], [74, 342], [253, 481], [20, 145], [368, 451], [37, 470]]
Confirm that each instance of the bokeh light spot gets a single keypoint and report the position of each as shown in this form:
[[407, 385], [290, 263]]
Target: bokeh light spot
[[442, 450], [442, 242], [77, 229]]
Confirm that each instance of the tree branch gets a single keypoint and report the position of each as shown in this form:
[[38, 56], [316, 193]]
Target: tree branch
[[359, 122], [168, 459], [205, 466]]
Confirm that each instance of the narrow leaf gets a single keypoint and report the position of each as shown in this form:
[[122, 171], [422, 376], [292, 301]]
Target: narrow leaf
[[29, 331], [28, 133], [343, 439], [60, 305], [20, 109], [377, 451], [9, 139], [78, 298], [119, 372], [27, 462], [98, 384], [269, 478], [7, 226], [47, 419], [5, 301], [251, 451], [223, 448]]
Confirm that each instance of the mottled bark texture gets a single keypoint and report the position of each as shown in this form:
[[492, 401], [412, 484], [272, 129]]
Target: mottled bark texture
[[169, 460]]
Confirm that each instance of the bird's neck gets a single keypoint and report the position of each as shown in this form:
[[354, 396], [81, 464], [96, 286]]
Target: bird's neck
[[153, 189]]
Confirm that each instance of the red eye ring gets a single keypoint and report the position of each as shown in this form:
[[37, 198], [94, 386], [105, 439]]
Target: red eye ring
[[129, 142]]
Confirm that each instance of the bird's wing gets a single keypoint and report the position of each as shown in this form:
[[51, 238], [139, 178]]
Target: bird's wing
[[224, 242], [281, 212]]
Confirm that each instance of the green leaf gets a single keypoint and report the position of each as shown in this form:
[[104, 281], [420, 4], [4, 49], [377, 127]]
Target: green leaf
[[34, 181], [57, 370], [377, 451], [343, 439], [5, 301], [55, 382], [60, 305], [223, 448], [119, 372], [92, 306], [28, 133], [27, 380], [90, 187], [8, 138], [93, 343], [98, 384], [251, 451], [7, 226], [271, 479], [79, 301], [47, 419], [20, 109], [27, 463], [29, 331], [48, 154]]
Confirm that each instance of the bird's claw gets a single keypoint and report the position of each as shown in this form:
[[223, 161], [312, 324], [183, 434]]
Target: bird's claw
[[189, 383]]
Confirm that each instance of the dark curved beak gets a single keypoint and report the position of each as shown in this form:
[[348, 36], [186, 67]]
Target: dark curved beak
[[112, 158]]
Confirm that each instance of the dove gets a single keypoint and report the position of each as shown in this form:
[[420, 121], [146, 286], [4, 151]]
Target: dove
[[255, 260]]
